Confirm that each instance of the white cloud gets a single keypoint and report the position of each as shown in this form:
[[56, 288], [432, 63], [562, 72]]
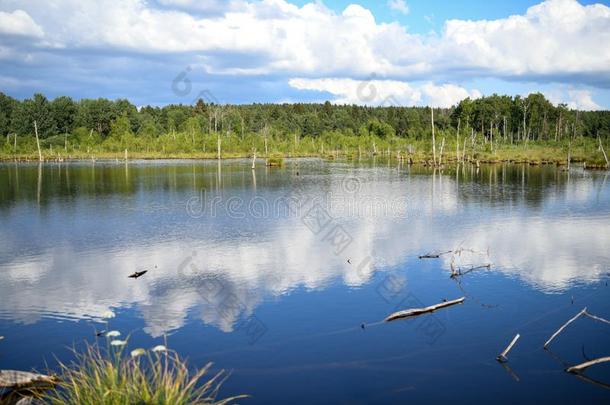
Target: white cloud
[[386, 92], [558, 42], [399, 5], [19, 23], [578, 99], [581, 100], [554, 38], [447, 95]]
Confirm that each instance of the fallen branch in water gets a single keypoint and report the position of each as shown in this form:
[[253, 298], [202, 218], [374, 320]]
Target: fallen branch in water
[[458, 251], [460, 272], [408, 313], [434, 255], [583, 312], [502, 356], [580, 367]]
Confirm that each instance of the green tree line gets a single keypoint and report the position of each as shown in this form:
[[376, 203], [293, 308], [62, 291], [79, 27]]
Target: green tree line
[[533, 117], [114, 125]]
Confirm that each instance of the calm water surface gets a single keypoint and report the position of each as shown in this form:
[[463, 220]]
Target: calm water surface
[[249, 270]]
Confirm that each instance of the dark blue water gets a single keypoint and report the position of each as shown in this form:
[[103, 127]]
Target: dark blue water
[[249, 270]]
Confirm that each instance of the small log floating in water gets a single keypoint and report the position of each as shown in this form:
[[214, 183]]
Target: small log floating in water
[[138, 274], [408, 313], [15, 379], [502, 356]]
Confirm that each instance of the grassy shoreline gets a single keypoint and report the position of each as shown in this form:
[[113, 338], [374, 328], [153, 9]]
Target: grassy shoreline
[[533, 154]]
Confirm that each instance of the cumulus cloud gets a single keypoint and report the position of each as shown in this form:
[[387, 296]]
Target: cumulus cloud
[[19, 22], [399, 5], [582, 100], [553, 38], [556, 41], [386, 92], [569, 38]]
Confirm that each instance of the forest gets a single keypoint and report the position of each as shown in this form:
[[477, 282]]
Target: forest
[[489, 128]]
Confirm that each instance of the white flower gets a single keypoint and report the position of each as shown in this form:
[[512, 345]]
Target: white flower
[[108, 314], [159, 348], [137, 352], [113, 333], [118, 342]]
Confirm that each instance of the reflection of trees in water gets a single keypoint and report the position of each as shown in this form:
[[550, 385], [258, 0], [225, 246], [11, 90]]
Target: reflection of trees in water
[[488, 184], [246, 255], [22, 182], [510, 184], [45, 183]]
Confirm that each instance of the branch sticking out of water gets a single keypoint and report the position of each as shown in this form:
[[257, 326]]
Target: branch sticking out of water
[[583, 312], [575, 317], [582, 366], [409, 313], [502, 356]]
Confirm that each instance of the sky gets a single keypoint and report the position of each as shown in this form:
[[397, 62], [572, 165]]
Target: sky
[[385, 52]]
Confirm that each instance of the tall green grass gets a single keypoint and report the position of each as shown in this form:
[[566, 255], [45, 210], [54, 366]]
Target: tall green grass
[[145, 377]]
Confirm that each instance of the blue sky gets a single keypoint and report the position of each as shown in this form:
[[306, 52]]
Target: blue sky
[[426, 15], [403, 52]]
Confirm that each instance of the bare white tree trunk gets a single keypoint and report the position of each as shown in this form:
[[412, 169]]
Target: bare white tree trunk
[[457, 143], [218, 144], [265, 131], [602, 149], [433, 139], [37, 141]]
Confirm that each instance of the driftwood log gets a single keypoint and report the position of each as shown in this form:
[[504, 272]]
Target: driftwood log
[[16, 380], [409, 313]]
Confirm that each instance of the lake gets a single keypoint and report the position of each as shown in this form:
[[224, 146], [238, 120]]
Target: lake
[[283, 276]]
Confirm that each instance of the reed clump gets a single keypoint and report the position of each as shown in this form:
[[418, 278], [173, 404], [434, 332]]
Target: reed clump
[[275, 161], [156, 376]]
